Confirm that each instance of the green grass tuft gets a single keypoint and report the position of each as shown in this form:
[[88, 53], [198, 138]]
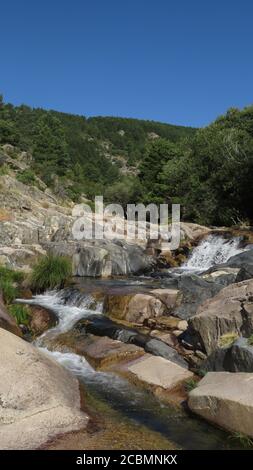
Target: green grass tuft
[[8, 281], [50, 272], [8, 290], [21, 313], [242, 439], [190, 385], [10, 275], [250, 340]]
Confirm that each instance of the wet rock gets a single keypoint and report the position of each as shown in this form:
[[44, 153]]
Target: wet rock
[[159, 348], [225, 399], [116, 306], [223, 276], [99, 351], [102, 326], [39, 398], [41, 320], [231, 311], [142, 308]]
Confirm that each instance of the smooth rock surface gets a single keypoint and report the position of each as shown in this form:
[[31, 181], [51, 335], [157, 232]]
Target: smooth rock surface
[[39, 398], [42, 319], [99, 351], [158, 371], [225, 399]]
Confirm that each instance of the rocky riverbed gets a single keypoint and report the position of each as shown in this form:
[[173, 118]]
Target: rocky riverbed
[[134, 341], [138, 349]]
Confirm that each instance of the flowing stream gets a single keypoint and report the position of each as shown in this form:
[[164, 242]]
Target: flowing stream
[[133, 403], [211, 251]]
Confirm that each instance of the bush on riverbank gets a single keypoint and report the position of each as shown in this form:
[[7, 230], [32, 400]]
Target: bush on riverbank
[[50, 272], [9, 281]]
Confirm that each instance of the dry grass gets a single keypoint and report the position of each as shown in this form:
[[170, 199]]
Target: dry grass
[[228, 339], [5, 215]]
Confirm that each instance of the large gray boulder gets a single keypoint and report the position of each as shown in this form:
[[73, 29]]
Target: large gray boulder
[[226, 400], [103, 258], [194, 291], [39, 398], [243, 261], [235, 358], [230, 311]]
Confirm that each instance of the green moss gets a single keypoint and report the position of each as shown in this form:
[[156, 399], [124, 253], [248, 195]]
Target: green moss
[[228, 339], [27, 177]]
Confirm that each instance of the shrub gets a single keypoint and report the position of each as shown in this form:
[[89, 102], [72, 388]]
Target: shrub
[[26, 177], [8, 290], [50, 272], [21, 313], [8, 278], [9, 274]]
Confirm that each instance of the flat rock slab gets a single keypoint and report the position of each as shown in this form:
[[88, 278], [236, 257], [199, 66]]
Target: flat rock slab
[[39, 398], [225, 399], [160, 372], [99, 351], [104, 351]]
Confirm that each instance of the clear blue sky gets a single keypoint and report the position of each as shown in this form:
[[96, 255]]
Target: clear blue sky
[[182, 61]]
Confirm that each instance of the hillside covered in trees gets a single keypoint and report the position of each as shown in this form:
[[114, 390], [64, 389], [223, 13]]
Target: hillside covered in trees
[[208, 171]]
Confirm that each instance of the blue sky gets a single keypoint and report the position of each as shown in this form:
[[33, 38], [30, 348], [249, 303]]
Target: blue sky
[[183, 62]]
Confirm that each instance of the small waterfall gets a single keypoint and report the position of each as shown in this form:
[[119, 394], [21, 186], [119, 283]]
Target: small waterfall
[[73, 362], [211, 251], [63, 305]]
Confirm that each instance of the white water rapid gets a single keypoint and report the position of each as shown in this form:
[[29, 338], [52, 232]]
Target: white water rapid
[[68, 314], [211, 251]]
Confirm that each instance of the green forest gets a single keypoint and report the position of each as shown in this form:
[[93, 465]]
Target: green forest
[[209, 171]]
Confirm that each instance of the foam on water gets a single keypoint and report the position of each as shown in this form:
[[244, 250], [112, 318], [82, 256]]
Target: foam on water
[[67, 315], [211, 251]]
